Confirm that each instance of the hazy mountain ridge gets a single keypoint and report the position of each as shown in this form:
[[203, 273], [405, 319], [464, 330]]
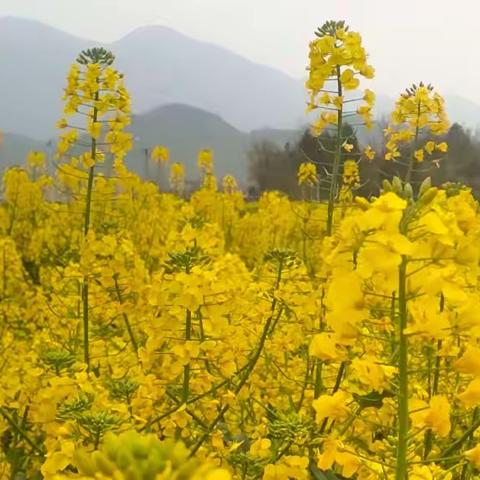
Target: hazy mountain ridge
[[182, 70], [14, 149], [184, 129], [161, 67], [186, 94]]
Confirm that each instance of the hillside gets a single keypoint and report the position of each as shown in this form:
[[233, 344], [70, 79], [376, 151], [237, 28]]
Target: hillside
[[186, 94], [161, 67], [34, 59], [184, 129], [14, 149]]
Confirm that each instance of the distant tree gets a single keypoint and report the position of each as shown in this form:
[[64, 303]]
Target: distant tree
[[463, 162], [274, 168]]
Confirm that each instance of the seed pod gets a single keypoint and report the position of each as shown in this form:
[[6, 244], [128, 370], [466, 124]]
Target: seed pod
[[408, 191], [397, 186], [428, 196], [426, 184]]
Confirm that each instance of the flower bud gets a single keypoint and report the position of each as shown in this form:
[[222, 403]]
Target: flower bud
[[408, 191], [387, 186], [397, 186], [426, 184], [428, 196]]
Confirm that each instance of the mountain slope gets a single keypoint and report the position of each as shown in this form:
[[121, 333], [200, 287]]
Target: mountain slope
[[164, 66], [14, 149], [185, 130], [463, 111], [34, 60], [161, 67]]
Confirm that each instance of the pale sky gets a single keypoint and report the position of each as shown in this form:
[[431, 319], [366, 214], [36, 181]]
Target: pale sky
[[408, 40]]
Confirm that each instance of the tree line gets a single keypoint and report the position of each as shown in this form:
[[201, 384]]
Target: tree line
[[275, 168]]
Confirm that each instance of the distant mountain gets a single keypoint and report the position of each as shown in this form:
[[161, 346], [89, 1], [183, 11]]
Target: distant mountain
[[463, 111], [186, 94], [14, 149], [184, 129], [34, 60], [161, 67]]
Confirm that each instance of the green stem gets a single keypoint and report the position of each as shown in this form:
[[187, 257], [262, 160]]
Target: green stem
[[338, 382], [88, 201], [318, 362], [86, 228], [403, 424], [86, 348], [304, 387], [332, 194], [125, 316], [466, 435], [466, 468], [20, 432], [318, 378], [251, 365], [186, 368], [415, 143]]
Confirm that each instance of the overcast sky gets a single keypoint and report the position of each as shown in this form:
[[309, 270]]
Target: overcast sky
[[409, 40]]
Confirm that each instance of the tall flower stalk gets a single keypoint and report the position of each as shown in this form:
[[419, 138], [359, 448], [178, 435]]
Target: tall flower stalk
[[98, 106], [337, 61], [418, 119]]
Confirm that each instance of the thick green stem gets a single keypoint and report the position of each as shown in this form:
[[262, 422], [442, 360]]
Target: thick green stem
[[186, 368], [318, 378], [336, 387], [456, 445], [332, 194], [86, 347], [318, 362], [470, 441], [88, 201], [403, 424], [411, 161], [86, 228], [20, 432]]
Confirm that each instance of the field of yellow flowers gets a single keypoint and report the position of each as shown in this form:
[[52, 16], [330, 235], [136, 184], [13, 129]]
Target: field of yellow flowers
[[146, 336]]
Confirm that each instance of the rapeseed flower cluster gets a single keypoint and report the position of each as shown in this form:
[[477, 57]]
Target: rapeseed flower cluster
[[147, 336]]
